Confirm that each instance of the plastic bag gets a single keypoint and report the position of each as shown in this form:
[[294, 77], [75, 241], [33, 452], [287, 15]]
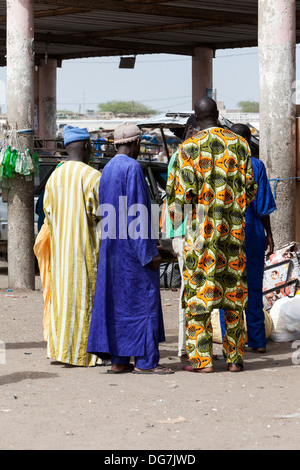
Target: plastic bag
[[285, 314]]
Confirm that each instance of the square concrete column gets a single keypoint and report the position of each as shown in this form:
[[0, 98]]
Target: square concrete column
[[20, 105], [277, 64], [202, 73]]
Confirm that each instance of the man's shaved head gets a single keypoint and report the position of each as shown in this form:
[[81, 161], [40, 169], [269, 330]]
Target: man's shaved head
[[205, 107], [206, 112], [242, 130]]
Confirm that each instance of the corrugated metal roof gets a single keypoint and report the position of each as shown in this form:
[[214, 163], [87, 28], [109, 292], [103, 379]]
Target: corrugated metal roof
[[70, 28]]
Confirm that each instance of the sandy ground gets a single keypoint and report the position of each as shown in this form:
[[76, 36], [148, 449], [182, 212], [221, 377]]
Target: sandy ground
[[47, 405]]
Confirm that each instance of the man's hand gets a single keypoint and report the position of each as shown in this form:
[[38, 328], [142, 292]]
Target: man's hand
[[155, 263], [269, 238], [269, 244]]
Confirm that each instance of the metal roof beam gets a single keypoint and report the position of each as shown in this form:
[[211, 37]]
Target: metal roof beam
[[121, 50], [234, 44]]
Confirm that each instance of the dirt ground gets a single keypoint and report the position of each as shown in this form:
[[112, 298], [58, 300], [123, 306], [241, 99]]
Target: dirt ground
[[46, 405]]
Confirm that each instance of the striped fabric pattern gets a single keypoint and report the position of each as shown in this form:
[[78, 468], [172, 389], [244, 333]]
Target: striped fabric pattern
[[70, 204]]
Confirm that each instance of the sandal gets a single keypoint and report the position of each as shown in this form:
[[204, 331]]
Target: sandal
[[124, 370], [259, 350], [159, 370]]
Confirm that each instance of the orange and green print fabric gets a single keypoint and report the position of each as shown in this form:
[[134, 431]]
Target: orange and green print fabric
[[212, 181]]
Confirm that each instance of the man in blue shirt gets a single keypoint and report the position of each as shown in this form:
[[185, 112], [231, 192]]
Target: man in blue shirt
[[127, 318], [258, 239]]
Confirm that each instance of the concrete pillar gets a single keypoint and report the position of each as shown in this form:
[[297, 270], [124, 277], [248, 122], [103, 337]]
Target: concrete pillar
[[202, 73], [277, 63], [20, 102], [47, 99]]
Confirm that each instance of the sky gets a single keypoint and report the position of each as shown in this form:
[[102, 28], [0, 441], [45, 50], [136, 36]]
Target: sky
[[162, 82]]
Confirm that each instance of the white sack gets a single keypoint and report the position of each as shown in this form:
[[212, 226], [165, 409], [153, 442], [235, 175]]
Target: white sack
[[285, 314]]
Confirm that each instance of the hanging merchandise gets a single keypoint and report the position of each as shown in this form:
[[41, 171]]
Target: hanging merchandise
[[16, 161], [6, 162]]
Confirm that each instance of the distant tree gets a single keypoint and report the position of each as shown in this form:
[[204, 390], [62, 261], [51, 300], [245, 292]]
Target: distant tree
[[125, 107], [64, 111], [249, 106]]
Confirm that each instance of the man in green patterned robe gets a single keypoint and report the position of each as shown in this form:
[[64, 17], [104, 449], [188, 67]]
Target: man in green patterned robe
[[212, 179]]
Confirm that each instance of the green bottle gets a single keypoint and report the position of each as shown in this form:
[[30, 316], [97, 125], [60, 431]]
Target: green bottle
[[13, 159], [25, 170], [6, 159], [18, 165]]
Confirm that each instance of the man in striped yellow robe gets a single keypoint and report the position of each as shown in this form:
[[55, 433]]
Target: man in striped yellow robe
[[70, 206]]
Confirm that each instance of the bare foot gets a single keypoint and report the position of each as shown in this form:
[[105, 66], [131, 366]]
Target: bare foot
[[235, 367], [184, 358]]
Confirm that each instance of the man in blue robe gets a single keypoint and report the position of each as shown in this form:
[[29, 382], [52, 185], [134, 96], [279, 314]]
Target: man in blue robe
[[258, 238], [127, 316]]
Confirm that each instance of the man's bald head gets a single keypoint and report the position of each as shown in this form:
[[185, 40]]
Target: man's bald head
[[243, 130], [206, 112]]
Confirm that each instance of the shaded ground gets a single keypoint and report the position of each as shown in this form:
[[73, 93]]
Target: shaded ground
[[46, 405]]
